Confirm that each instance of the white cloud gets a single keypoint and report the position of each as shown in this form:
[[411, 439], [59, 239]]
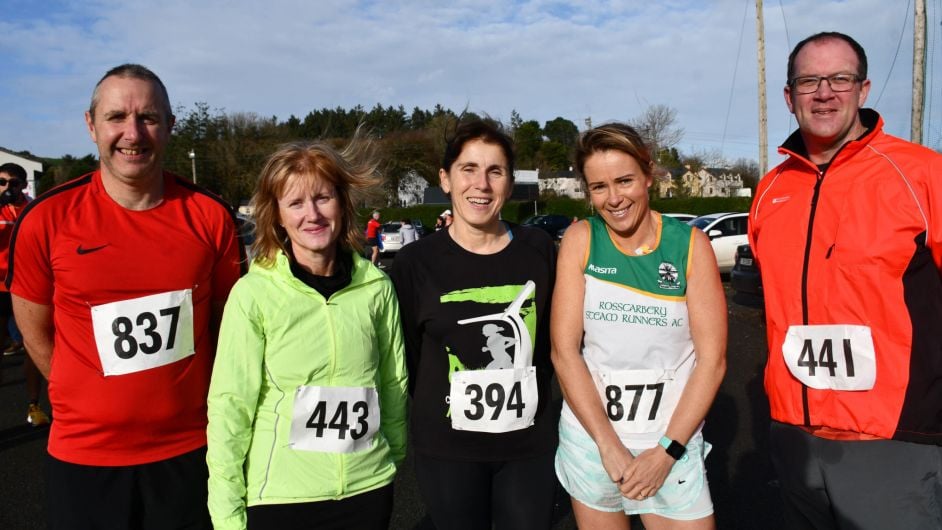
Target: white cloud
[[544, 58]]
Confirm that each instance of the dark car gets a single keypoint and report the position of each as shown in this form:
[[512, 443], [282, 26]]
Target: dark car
[[552, 224], [745, 277]]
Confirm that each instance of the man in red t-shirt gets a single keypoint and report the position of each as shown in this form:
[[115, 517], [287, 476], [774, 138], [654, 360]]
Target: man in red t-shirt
[[12, 201], [118, 280], [373, 236]]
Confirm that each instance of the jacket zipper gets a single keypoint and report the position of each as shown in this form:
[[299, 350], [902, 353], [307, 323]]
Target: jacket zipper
[[804, 285]]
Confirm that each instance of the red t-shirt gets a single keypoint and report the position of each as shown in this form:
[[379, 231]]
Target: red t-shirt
[[8, 215], [371, 228], [131, 293]]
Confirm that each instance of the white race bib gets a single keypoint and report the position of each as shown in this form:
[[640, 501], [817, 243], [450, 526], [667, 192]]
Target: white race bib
[[334, 419], [836, 357], [143, 333], [493, 401], [638, 401]]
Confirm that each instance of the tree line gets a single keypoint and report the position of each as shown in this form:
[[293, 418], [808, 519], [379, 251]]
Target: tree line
[[229, 148]]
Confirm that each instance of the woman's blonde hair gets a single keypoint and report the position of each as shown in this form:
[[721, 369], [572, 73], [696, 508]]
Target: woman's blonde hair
[[353, 171], [613, 137]]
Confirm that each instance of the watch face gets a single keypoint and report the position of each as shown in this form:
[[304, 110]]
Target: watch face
[[672, 447], [676, 450]]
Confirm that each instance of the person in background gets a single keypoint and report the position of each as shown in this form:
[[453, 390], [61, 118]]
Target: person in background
[[448, 217], [639, 347], [407, 232], [308, 397], [848, 234], [12, 202], [118, 280], [373, 237], [475, 314], [439, 223]]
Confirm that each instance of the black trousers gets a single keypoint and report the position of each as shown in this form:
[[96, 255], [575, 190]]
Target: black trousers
[[370, 510], [510, 495], [169, 494]]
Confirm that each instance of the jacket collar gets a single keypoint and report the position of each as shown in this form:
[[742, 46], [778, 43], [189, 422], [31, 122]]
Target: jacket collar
[[795, 145], [363, 272]]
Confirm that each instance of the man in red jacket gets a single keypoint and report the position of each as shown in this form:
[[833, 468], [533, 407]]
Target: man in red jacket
[[849, 238]]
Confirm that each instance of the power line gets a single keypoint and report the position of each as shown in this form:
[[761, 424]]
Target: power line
[[732, 88], [788, 43], [898, 44]]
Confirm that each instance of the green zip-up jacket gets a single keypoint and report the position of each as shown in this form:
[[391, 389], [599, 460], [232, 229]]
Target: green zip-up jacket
[[277, 335]]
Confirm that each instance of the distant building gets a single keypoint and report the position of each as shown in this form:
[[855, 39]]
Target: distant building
[[711, 182], [411, 189], [665, 182], [564, 183], [33, 167]]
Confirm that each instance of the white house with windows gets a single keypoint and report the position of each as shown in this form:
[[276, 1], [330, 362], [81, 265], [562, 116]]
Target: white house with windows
[[711, 182], [564, 183]]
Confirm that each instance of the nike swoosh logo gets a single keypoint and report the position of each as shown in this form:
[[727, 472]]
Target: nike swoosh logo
[[781, 199], [81, 250], [681, 481]]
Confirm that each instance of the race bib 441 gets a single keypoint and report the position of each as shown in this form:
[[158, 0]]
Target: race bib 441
[[835, 357], [143, 333]]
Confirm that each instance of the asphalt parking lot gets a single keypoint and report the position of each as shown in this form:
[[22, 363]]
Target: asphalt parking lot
[[741, 479]]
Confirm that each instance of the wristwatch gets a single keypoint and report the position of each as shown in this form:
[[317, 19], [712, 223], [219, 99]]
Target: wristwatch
[[673, 447]]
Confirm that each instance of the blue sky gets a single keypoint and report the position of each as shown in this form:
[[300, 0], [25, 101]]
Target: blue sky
[[603, 60]]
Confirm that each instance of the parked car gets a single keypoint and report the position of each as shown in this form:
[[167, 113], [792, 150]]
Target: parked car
[[726, 232], [552, 224], [745, 276], [682, 217], [391, 241]]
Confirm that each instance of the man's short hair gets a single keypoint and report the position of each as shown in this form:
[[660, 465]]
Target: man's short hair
[[132, 71], [830, 35], [14, 170]]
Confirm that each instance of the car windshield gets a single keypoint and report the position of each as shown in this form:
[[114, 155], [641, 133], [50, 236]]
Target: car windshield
[[391, 227], [701, 222]]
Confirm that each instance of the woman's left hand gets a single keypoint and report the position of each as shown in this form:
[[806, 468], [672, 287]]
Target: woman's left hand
[[645, 474]]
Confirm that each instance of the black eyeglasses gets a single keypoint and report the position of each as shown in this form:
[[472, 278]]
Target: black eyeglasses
[[4, 182], [837, 82]]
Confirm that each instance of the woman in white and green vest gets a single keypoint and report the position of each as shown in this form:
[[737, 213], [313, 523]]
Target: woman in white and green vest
[[639, 340]]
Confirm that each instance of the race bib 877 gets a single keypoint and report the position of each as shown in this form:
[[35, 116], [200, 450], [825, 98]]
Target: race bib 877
[[144, 333]]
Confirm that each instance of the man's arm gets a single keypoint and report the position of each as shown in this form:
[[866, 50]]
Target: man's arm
[[36, 326]]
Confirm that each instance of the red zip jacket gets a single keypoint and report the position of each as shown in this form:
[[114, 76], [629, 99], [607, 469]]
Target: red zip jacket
[[850, 258]]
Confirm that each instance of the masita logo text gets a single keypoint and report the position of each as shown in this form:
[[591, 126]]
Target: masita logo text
[[602, 270]]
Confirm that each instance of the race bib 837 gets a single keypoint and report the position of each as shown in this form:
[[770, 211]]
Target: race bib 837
[[144, 333]]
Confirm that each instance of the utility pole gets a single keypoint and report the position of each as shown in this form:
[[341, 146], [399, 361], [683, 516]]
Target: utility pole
[[193, 164], [763, 117], [919, 71]]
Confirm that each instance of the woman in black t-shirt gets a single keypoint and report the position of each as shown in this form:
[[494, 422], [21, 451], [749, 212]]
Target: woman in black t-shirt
[[474, 299]]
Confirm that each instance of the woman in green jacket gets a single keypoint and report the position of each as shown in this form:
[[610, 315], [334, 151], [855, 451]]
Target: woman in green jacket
[[308, 394]]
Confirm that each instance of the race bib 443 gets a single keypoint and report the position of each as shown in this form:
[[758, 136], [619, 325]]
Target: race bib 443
[[835, 357], [143, 333], [334, 419]]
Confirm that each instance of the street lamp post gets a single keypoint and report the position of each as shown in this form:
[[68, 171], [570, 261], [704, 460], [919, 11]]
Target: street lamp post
[[193, 164]]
